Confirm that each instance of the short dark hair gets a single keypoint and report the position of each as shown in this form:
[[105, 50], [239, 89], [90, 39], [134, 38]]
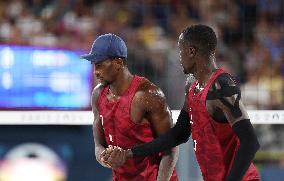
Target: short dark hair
[[201, 37]]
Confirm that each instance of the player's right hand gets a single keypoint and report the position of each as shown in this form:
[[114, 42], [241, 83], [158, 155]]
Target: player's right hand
[[105, 154]]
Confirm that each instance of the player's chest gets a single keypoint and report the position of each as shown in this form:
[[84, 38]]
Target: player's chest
[[122, 109]]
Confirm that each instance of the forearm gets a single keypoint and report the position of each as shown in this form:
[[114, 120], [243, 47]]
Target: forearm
[[163, 142], [246, 152], [167, 164], [175, 136], [99, 140], [100, 143]]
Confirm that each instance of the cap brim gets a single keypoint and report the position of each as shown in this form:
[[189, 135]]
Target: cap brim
[[88, 57], [93, 58]]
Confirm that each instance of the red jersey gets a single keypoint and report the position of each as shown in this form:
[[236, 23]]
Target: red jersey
[[215, 144], [121, 131]]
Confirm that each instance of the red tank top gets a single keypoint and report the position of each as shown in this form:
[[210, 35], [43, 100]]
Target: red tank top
[[215, 144], [121, 131]]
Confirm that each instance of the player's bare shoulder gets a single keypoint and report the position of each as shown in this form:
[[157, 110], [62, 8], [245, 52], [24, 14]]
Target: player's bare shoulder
[[148, 95], [96, 93]]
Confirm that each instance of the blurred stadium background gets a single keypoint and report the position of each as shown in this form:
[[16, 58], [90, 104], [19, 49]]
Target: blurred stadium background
[[45, 115]]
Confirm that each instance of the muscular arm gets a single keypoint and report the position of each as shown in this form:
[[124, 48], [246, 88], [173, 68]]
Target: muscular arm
[[158, 114], [98, 132], [177, 135], [226, 96]]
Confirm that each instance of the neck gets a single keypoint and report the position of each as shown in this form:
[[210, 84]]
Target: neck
[[121, 83], [205, 69]]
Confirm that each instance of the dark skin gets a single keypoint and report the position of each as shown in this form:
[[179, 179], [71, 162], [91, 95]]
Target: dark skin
[[223, 101], [201, 67], [148, 105]]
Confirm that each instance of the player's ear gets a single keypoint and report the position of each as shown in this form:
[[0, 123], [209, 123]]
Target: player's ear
[[191, 51]]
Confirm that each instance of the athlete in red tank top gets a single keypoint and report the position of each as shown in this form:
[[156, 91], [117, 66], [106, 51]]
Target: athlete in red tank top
[[120, 130], [215, 142], [128, 111], [224, 139]]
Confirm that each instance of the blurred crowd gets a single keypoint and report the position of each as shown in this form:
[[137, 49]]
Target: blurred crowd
[[250, 37]]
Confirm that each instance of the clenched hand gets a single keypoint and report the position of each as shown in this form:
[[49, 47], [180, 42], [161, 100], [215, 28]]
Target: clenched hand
[[115, 156]]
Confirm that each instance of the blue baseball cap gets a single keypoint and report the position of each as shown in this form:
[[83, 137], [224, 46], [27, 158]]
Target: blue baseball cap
[[106, 46]]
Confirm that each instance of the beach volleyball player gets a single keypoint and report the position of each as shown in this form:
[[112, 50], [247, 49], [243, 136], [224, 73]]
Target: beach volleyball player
[[128, 110]]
